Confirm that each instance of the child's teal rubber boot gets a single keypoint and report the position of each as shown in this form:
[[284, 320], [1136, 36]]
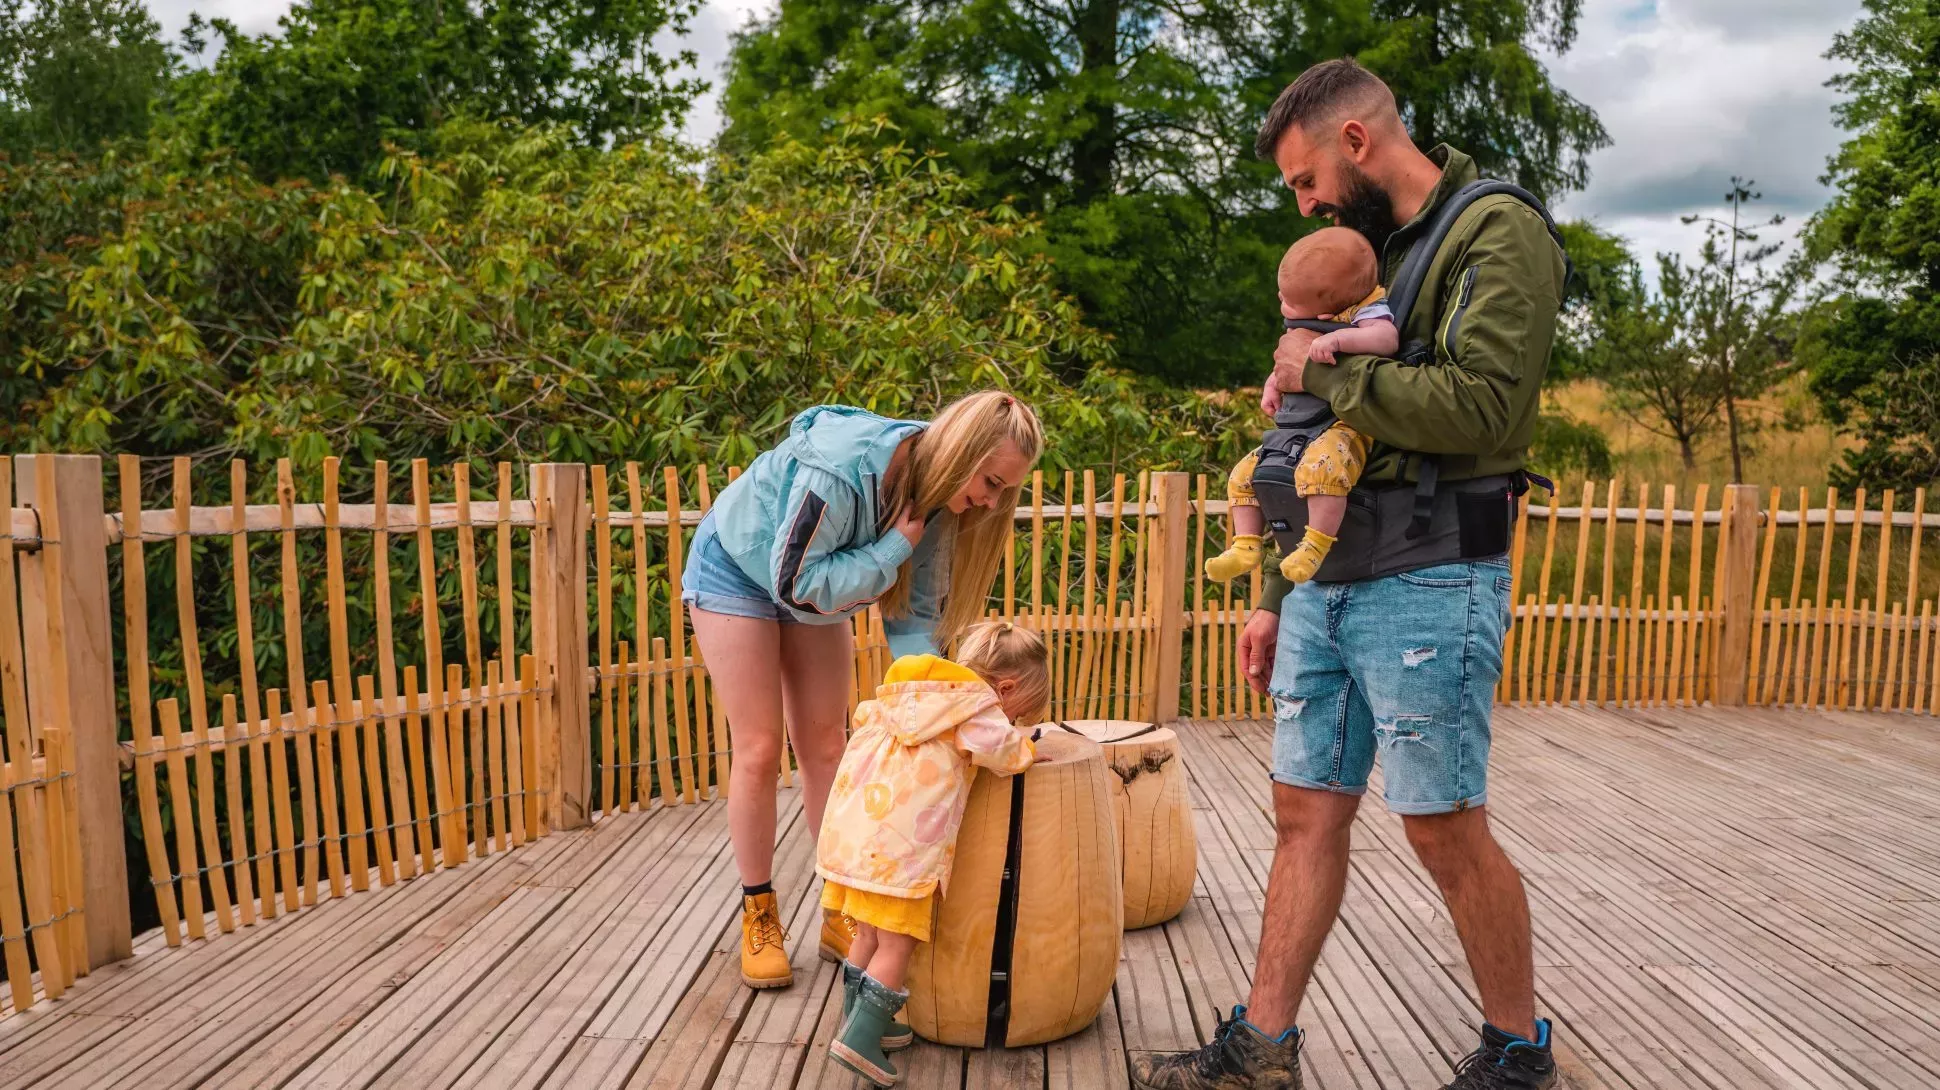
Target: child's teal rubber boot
[[859, 1046], [898, 1037]]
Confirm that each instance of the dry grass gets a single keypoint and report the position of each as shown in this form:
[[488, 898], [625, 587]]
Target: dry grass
[[1797, 455], [1793, 447]]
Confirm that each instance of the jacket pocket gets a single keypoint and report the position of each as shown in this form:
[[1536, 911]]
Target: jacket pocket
[[1452, 329]]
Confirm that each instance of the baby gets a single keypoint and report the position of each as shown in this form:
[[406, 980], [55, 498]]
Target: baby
[[889, 834], [1331, 274]]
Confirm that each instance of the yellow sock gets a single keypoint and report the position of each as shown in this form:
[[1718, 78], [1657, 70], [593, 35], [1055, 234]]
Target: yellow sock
[[1301, 564], [1242, 556]]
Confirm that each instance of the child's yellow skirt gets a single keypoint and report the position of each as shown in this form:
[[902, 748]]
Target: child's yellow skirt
[[903, 915]]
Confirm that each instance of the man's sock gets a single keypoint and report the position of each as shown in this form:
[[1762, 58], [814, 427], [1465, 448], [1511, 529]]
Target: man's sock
[[756, 891], [1505, 1039]]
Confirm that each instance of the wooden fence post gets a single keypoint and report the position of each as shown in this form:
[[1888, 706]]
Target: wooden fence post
[[72, 520], [559, 636], [1169, 572], [1738, 567]]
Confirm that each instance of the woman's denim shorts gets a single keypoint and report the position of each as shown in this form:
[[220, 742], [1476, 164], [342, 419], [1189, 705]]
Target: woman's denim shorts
[[714, 582]]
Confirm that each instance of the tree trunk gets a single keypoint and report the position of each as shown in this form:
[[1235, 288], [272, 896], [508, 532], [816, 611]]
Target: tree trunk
[[1684, 449], [1094, 155], [1731, 428]]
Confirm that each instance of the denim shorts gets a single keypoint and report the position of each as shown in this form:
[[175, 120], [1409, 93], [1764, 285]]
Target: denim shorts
[[1405, 665], [714, 582]]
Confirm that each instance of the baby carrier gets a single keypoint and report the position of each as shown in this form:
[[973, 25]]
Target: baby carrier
[[1393, 526]]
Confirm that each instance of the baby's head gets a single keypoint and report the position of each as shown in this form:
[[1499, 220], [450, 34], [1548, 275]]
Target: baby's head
[[1327, 272], [1013, 661]]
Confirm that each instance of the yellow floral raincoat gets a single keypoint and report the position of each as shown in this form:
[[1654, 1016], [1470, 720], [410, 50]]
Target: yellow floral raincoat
[[892, 817]]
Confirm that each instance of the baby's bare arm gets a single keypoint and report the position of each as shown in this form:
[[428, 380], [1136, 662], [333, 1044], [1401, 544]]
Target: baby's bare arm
[[1379, 338]]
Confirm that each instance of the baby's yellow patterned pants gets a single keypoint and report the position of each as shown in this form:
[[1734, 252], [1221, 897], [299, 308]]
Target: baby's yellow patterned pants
[[1330, 466]]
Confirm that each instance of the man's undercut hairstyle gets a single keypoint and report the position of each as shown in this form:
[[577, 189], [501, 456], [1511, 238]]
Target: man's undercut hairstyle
[[1325, 95]]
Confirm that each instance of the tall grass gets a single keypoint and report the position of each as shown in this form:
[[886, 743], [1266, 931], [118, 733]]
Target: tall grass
[[1791, 446]]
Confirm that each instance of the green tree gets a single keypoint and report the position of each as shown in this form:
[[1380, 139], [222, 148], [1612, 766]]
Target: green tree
[[517, 296], [1716, 336], [1600, 283], [1740, 324], [1650, 363], [341, 78], [1128, 124], [74, 73], [1879, 345]]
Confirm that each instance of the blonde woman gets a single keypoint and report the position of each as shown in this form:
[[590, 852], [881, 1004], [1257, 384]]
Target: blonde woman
[[852, 509]]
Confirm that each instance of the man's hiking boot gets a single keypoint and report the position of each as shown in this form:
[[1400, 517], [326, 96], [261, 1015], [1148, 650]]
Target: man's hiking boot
[[1239, 1057], [1507, 1062]]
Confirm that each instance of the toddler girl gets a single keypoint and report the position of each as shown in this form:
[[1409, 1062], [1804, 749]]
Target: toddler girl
[[889, 833]]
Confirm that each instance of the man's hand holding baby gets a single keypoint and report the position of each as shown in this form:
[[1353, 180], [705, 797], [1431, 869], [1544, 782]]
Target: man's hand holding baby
[[1289, 364]]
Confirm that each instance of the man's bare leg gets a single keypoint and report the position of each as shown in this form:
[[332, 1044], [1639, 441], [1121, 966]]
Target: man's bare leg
[[1485, 897], [1303, 898]]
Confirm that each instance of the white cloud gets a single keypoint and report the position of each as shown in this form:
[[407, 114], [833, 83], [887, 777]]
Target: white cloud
[[710, 36], [1694, 92], [250, 16]]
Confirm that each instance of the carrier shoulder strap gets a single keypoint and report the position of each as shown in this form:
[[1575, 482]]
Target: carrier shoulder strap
[[1421, 254]]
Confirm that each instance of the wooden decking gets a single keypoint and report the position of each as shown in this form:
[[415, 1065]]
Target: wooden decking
[[1723, 900]]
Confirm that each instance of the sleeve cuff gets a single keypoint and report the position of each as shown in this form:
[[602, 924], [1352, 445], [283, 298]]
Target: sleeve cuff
[[1322, 379], [1273, 589], [892, 549]]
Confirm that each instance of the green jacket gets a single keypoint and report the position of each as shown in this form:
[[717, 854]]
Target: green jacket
[[1488, 308]]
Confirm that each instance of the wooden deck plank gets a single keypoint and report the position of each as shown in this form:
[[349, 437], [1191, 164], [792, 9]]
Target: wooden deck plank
[[1723, 899], [670, 932], [1377, 832], [430, 1027], [316, 1026], [1093, 1059], [751, 1035], [125, 990], [333, 937]]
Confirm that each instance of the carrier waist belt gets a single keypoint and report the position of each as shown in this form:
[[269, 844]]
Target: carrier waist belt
[[1396, 527]]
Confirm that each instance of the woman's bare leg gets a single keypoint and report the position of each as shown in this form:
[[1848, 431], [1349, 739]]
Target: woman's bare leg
[[817, 665], [743, 656]]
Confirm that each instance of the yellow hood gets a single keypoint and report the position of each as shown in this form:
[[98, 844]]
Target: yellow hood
[[924, 695]]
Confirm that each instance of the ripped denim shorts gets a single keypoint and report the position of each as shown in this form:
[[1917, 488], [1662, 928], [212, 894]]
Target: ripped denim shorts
[[1404, 666]]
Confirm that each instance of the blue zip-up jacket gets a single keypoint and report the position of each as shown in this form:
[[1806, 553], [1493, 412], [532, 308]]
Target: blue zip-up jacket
[[801, 522]]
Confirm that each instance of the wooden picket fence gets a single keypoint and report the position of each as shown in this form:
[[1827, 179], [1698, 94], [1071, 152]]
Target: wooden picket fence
[[1676, 606], [360, 781], [1079, 573], [506, 654], [43, 940]]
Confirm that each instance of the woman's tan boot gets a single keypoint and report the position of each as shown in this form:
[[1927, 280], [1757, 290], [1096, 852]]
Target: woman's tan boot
[[838, 931], [764, 945]]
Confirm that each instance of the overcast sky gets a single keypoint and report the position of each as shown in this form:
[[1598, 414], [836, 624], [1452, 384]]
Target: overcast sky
[[1692, 92]]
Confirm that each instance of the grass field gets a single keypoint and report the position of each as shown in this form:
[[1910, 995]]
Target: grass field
[[1796, 453]]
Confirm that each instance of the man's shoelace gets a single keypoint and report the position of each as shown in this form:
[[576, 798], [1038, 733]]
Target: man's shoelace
[[1215, 1057], [1483, 1070]]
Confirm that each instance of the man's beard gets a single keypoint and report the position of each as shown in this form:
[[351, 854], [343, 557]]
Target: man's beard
[[1364, 207]]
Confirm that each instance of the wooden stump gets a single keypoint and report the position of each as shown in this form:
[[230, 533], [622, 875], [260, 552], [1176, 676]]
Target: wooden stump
[[1029, 960], [1154, 816]]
